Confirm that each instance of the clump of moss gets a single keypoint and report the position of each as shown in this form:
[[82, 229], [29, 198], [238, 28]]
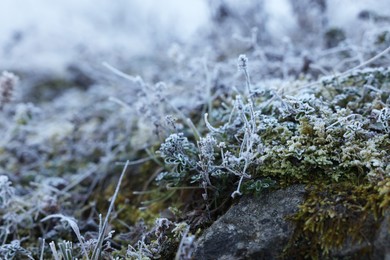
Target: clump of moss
[[336, 215], [341, 135]]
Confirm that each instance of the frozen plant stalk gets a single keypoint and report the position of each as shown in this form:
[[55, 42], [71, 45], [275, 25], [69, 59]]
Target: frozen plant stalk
[[242, 64], [250, 140], [6, 191], [8, 83]]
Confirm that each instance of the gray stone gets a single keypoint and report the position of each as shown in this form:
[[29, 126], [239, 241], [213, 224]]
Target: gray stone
[[381, 245], [255, 228]]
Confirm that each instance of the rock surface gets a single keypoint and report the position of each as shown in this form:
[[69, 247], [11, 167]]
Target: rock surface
[[255, 228], [381, 245]]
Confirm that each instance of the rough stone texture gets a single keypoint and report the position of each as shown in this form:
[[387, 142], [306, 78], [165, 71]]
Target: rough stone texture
[[381, 245], [255, 228]]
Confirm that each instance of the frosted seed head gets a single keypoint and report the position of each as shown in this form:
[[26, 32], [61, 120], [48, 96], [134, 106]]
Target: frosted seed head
[[242, 62]]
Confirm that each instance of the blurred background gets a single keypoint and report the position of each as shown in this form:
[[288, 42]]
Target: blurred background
[[43, 40], [52, 34]]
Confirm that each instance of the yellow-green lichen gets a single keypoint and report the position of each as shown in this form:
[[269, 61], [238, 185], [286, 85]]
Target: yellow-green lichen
[[338, 215]]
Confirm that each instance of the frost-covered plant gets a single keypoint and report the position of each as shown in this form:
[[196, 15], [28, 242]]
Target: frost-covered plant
[[151, 250], [175, 150], [6, 191], [14, 250], [234, 162], [8, 82], [336, 135], [206, 163], [178, 152], [187, 243], [140, 252], [250, 142], [72, 223], [242, 64], [384, 118], [164, 234], [65, 250]]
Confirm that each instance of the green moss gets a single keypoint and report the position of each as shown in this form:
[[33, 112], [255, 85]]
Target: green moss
[[338, 214]]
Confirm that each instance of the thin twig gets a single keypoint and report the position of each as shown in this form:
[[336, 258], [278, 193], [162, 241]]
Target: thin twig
[[42, 249], [97, 250], [384, 52], [135, 79]]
